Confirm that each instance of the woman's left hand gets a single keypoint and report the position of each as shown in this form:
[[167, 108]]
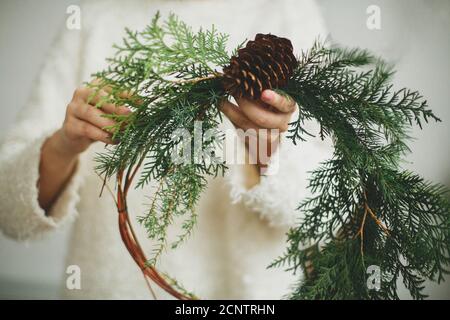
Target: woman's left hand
[[273, 111]]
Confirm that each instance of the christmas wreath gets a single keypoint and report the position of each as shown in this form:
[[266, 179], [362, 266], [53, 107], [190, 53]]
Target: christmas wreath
[[365, 210]]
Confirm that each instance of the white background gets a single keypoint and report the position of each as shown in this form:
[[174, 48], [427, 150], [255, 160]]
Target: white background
[[414, 36]]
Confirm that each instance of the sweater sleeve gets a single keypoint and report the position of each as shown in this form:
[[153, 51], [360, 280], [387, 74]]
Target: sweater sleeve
[[21, 217]]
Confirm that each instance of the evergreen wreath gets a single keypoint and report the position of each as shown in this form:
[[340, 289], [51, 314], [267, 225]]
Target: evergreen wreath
[[365, 210]]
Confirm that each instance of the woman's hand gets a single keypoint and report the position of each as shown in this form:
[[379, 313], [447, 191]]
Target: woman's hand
[[83, 125], [273, 111]]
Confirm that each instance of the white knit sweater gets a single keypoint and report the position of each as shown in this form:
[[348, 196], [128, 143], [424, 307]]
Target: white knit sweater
[[239, 231]]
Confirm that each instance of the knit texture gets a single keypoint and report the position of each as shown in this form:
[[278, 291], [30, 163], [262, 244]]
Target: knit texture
[[239, 231]]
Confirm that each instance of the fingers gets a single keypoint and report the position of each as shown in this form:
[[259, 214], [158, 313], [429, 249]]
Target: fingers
[[274, 112], [107, 107], [92, 115], [92, 132], [264, 136], [236, 116], [113, 109], [123, 94], [88, 130], [281, 103], [263, 116], [85, 95], [107, 89]]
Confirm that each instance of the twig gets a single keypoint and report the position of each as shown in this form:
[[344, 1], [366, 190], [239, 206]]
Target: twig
[[131, 243], [378, 221], [104, 184], [374, 217], [361, 231], [149, 285], [195, 80]]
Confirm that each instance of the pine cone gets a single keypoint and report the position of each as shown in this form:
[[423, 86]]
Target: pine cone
[[265, 63]]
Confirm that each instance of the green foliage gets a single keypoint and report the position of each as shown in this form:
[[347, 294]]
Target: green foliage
[[365, 209], [156, 66]]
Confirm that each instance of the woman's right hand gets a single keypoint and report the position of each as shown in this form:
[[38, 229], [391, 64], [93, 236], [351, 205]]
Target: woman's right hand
[[84, 124]]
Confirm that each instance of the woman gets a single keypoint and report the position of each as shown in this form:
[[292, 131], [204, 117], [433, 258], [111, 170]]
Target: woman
[[47, 162]]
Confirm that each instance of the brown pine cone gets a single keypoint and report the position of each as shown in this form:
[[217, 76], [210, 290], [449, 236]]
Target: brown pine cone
[[265, 63]]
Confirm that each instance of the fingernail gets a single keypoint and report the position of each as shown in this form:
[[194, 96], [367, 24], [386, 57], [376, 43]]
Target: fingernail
[[126, 110], [267, 95]]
